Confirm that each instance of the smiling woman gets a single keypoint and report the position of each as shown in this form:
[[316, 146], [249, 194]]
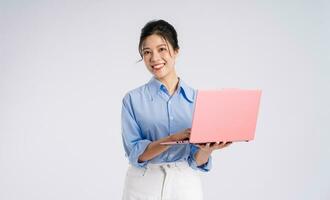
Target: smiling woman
[[159, 58], [161, 111], [159, 48]]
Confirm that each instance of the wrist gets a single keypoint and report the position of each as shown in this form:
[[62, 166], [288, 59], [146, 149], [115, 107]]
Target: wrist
[[205, 152], [202, 156]]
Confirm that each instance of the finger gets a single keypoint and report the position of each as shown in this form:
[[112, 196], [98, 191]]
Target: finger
[[221, 145], [218, 144], [186, 132], [224, 144], [208, 145], [228, 143]]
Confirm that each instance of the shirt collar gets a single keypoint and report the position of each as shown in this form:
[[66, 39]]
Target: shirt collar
[[156, 86]]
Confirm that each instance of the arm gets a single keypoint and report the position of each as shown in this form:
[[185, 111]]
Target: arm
[[206, 150], [202, 156], [155, 148], [138, 149]]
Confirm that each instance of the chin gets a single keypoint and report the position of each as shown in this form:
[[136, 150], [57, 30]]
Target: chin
[[159, 75]]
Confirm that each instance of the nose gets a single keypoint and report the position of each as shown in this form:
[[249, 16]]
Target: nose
[[155, 57]]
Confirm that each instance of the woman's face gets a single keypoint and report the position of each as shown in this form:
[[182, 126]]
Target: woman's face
[[159, 57]]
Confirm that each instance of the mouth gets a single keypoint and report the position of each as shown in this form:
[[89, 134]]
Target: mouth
[[157, 66]]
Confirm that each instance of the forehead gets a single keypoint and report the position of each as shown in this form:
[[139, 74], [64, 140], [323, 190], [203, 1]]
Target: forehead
[[153, 41]]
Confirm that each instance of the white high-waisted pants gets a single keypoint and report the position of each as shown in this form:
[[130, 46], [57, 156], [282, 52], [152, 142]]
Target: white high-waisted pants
[[170, 181]]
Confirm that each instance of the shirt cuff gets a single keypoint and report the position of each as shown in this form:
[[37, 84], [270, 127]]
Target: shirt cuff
[[193, 164], [138, 148]]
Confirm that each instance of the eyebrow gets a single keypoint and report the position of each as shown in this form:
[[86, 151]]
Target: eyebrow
[[157, 46]]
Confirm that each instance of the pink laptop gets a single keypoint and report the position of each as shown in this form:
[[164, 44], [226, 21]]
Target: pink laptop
[[224, 115]]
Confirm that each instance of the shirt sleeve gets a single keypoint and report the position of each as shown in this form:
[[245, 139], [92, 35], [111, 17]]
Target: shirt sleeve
[[134, 143], [192, 161]]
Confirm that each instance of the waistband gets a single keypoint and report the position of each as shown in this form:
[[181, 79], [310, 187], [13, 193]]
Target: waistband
[[181, 164]]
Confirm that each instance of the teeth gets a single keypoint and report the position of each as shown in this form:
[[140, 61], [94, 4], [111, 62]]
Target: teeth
[[158, 66]]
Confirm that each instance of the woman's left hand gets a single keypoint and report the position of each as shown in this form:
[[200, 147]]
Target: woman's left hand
[[210, 147]]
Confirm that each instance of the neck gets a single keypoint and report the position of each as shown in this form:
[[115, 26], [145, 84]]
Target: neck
[[171, 83]]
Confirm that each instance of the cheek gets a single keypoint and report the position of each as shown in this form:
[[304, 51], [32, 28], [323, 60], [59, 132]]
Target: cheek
[[171, 61], [145, 60], [166, 56]]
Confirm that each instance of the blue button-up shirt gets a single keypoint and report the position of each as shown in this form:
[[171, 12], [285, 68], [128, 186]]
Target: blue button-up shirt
[[149, 113]]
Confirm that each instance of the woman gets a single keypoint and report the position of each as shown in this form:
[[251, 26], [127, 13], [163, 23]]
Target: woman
[[161, 111]]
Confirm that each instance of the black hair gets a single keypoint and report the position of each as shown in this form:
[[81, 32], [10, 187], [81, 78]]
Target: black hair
[[161, 28]]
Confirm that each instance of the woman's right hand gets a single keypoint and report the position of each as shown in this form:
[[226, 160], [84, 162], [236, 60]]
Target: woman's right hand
[[181, 135], [155, 148]]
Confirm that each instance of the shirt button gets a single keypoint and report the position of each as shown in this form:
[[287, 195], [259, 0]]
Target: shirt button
[[171, 118], [169, 103]]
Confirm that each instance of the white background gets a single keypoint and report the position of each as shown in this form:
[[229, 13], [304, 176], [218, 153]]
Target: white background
[[65, 66]]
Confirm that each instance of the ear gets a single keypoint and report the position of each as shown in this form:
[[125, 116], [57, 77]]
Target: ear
[[176, 52]]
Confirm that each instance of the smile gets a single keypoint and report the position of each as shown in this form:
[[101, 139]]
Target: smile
[[158, 66]]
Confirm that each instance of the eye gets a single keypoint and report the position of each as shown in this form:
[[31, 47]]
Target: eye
[[146, 52], [162, 49]]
